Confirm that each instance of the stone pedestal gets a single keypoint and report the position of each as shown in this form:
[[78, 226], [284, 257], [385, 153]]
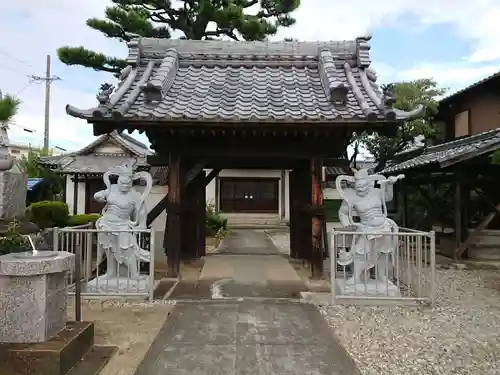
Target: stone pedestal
[[372, 288], [33, 297]]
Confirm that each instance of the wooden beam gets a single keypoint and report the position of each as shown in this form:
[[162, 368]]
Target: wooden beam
[[194, 171], [482, 226], [157, 210], [213, 173]]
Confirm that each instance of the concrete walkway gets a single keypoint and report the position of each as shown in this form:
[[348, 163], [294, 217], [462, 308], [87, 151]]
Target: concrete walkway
[[246, 338], [231, 335]]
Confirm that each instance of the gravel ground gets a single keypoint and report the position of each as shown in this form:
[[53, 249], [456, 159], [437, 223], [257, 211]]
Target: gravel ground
[[459, 336]]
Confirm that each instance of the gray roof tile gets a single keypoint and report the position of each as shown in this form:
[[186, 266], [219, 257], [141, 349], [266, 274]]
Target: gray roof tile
[[85, 161], [179, 80], [449, 153]]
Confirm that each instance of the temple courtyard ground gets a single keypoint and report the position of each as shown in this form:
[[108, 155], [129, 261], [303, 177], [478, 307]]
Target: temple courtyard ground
[[242, 314]]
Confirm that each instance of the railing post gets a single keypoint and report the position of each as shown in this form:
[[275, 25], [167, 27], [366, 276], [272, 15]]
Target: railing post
[[78, 286], [432, 236], [55, 239], [151, 263], [333, 267]]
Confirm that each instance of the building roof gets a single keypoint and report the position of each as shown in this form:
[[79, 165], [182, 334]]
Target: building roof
[[33, 183], [471, 86], [173, 81], [86, 161], [449, 153]]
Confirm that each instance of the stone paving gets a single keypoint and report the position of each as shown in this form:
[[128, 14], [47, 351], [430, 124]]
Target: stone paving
[[226, 333]]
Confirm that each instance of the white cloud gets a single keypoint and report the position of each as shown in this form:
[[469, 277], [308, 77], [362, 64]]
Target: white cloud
[[452, 76], [37, 28]]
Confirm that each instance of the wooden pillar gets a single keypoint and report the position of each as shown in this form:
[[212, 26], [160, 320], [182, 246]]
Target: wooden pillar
[[173, 230], [189, 220], [217, 198], [75, 194], [201, 199], [292, 197], [458, 207], [303, 206], [317, 219], [283, 194]]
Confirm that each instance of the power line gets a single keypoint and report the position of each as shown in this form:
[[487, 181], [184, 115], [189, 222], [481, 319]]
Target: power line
[[12, 69], [15, 58]]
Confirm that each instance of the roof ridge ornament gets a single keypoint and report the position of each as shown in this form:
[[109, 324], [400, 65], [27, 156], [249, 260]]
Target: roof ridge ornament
[[162, 79], [335, 90], [363, 51]]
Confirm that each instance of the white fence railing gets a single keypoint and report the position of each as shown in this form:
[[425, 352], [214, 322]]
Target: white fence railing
[[377, 275], [96, 276]]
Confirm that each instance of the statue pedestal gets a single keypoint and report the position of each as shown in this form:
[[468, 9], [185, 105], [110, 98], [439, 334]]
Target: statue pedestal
[[373, 288], [118, 285], [33, 296]]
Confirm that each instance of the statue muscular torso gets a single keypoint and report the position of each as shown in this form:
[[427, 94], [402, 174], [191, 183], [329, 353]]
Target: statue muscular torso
[[368, 208]]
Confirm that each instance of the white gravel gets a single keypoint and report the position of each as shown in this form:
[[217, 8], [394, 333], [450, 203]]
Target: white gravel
[[459, 336]]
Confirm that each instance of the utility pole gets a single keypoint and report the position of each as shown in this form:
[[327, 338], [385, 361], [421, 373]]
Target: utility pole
[[48, 80]]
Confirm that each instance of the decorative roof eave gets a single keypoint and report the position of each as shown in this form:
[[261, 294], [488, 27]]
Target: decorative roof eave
[[154, 85], [479, 144]]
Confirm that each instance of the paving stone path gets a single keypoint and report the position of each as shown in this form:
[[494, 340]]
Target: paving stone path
[[237, 336]]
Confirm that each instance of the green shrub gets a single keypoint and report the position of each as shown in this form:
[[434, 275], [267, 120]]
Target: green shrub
[[214, 223], [13, 242], [82, 219], [48, 214]]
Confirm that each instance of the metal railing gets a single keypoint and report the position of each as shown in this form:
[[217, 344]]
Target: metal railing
[[403, 273], [96, 276]]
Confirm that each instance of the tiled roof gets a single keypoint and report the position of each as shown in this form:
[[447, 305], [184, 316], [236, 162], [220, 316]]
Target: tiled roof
[[474, 85], [449, 153], [219, 81], [85, 161]]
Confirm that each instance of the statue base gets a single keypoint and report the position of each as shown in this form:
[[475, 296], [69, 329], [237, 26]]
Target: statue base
[[118, 285], [372, 288]]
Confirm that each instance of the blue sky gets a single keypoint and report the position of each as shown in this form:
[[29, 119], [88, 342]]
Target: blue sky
[[424, 39]]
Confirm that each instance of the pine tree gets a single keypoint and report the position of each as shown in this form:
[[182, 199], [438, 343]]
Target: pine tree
[[195, 19]]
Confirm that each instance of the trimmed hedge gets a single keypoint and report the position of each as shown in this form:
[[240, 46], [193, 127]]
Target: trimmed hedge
[[82, 219], [48, 214]]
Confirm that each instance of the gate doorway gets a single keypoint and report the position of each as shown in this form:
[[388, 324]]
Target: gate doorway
[[253, 195]]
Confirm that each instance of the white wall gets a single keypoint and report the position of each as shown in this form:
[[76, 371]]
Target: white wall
[[80, 204], [157, 194], [329, 193]]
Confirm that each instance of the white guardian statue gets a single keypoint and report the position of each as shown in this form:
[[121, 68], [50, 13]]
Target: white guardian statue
[[125, 209], [373, 249]]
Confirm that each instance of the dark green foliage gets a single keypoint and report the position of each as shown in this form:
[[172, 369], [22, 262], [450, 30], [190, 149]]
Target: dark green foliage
[[213, 221], [332, 207], [13, 241], [82, 219], [127, 19], [48, 214], [29, 165], [408, 95]]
